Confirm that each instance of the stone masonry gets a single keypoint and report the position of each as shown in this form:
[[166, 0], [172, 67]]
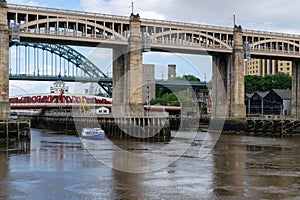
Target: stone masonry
[[4, 69], [135, 79]]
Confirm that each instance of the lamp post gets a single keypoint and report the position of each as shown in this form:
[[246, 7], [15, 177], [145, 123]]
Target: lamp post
[[148, 98]]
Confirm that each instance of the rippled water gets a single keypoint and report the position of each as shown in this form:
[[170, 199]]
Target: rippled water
[[54, 166]]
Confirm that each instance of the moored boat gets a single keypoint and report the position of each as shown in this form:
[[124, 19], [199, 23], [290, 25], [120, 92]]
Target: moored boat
[[93, 133]]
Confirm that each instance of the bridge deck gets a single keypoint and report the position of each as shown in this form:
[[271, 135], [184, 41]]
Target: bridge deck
[[52, 25]]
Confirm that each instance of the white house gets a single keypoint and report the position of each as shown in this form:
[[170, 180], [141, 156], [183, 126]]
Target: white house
[[102, 111]]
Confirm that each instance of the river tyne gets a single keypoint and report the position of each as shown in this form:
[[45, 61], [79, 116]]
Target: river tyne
[[58, 167]]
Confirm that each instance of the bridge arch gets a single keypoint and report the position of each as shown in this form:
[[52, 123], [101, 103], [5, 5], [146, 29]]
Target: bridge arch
[[206, 38], [276, 44], [43, 23], [91, 71]]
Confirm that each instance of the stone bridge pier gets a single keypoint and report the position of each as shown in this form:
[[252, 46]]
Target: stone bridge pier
[[127, 73], [295, 109], [4, 68], [228, 81]]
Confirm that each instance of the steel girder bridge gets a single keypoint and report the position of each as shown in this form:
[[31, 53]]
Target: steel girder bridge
[[47, 62]]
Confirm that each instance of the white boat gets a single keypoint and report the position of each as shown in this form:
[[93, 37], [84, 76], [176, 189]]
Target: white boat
[[93, 133]]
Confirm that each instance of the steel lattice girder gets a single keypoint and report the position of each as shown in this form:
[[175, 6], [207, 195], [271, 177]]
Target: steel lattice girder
[[73, 56]]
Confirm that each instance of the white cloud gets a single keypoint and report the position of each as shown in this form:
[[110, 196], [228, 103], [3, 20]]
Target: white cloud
[[28, 87], [26, 2], [152, 15], [101, 57], [280, 15]]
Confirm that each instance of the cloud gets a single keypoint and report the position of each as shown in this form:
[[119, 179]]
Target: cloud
[[101, 57], [280, 15], [26, 2], [28, 87]]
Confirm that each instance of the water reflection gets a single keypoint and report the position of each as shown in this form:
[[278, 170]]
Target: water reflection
[[8, 149], [260, 168], [57, 166], [136, 156], [127, 185], [229, 167]]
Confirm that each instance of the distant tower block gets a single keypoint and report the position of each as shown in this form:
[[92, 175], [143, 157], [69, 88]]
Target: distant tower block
[[148, 82], [171, 72]]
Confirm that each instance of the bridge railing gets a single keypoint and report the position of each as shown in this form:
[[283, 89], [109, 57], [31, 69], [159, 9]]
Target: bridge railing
[[187, 25], [45, 105], [65, 11], [188, 43], [275, 51], [146, 22], [69, 34], [118, 17], [266, 33]]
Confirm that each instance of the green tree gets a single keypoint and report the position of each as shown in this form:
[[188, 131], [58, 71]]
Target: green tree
[[282, 81], [187, 78], [267, 82], [252, 83], [166, 97]]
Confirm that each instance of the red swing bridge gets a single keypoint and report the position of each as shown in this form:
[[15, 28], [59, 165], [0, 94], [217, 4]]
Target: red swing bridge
[[59, 98]]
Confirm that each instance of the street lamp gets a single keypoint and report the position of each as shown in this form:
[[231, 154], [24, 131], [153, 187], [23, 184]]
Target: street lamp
[[148, 98]]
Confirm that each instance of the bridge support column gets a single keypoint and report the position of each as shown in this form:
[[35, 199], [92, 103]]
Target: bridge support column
[[295, 111], [228, 81], [120, 59], [135, 79], [128, 73], [236, 76], [220, 67], [4, 67]]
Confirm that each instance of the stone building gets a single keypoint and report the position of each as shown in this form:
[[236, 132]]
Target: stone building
[[171, 72], [148, 82]]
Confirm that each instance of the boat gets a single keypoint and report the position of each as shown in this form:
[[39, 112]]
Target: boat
[[93, 133]]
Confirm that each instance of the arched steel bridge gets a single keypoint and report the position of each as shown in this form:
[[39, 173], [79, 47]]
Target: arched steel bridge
[[50, 25], [48, 61]]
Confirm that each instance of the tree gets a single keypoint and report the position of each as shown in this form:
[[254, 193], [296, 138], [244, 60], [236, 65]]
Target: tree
[[282, 81], [267, 82], [174, 99], [187, 78], [166, 97]]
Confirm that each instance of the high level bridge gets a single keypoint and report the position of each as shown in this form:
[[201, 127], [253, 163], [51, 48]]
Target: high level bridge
[[49, 62], [130, 36]]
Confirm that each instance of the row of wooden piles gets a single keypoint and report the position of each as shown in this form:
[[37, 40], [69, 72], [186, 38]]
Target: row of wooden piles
[[281, 127], [15, 129], [141, 128]]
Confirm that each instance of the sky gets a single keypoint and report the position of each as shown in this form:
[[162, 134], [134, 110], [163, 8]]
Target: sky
[[265, 15]]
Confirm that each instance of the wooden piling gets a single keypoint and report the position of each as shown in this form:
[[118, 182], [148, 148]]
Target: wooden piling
[[273, 127], [10, 129]]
